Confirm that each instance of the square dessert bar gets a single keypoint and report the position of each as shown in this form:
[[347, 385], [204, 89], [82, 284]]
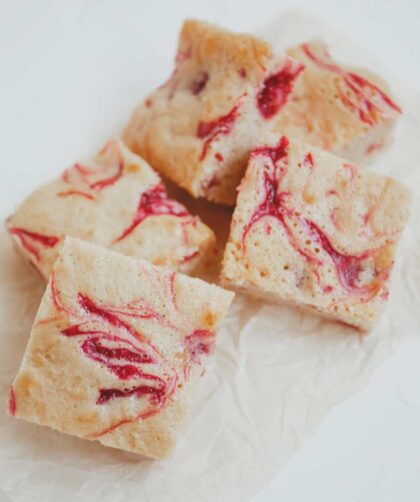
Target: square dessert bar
[[347, 112], [199, 127], [115, 348], [313, 230], [114, 199]]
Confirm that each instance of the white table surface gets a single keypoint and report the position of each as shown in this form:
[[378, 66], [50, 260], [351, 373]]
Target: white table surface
[[368, 449]]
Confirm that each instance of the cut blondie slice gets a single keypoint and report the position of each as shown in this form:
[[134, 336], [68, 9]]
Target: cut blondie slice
[[115, 348], [114, 199], [199, 127], [312, 229], [345, 111]]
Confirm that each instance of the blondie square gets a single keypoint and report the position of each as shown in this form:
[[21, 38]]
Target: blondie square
[[348, 112], [313, 230], [199, 127], [115, 349], [114, 199]]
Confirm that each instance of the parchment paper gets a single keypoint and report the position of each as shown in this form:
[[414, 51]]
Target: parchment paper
[[276, 372]]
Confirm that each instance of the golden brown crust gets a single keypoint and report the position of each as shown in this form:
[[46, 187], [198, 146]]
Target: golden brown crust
[[207, 43]]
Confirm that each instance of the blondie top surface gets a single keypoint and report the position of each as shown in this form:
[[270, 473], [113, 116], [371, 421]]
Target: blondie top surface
[[115, 348], [114, 199], [344, 110], [313, 229]]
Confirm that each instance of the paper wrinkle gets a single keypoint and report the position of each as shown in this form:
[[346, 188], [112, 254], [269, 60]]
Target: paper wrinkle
[[276, 374]]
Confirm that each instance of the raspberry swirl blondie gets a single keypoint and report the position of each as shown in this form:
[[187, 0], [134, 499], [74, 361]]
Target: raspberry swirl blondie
[[348, 112], [199, 127], [115, 349], [114, 199], [313, 230]]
